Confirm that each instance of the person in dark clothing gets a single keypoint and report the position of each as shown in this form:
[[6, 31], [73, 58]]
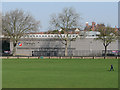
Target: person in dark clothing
[[111, 68]]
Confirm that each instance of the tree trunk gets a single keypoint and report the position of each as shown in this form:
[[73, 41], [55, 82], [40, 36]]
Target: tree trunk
[[66, 49], [105, 51], [14, 49]]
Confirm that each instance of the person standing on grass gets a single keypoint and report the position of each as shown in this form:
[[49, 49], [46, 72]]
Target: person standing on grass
[[111, 67]]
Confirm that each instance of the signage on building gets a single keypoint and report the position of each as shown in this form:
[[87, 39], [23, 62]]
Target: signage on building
[[20, 44]]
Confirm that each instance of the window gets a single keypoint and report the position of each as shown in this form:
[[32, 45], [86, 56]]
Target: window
[[51, 35], [33, 35], [36, 35], [48, 35], [69, 35], [27, 35], [81, 35]]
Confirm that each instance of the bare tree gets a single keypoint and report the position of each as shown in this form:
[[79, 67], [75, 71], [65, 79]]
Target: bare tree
[[65, 21], [107, 35], [16, 23]]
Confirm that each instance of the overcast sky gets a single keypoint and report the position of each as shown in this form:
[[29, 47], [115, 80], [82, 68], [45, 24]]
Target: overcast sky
[[99, 12]]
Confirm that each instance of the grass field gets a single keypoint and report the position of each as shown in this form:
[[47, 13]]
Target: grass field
[[59, 73]]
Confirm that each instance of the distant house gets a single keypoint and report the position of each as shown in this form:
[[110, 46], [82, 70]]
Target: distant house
[[92, 27], [70, 31]]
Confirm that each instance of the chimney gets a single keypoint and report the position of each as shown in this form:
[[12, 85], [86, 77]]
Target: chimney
[[87, 24], [93, 23], [116, 28], [93, 26]]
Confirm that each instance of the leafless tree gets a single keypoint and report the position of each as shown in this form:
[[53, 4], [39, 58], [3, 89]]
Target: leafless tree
[[66, 21], [107, 35], [16, 23]]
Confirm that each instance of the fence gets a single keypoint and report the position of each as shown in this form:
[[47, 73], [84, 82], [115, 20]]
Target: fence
[[74, 53], [27, 57]]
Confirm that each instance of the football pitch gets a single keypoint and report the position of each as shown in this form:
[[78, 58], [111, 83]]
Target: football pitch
[[59, 73]]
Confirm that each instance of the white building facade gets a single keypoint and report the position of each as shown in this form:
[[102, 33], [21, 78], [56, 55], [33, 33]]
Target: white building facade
[[50, 45]]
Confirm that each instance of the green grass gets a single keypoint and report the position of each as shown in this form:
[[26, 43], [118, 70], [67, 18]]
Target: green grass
[[59, 73]]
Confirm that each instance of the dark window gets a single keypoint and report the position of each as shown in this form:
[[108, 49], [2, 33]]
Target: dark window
[[33, 35], [36, 35]]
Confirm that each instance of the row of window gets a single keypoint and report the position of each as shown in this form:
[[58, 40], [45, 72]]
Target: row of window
[[32, 36], [55, 36]]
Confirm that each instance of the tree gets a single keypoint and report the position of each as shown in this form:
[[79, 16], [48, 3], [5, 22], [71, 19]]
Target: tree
[[66, 21], [107, 35], [16, 23]]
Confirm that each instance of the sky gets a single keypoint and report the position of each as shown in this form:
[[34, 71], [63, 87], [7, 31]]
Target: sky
[[99, 12]]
